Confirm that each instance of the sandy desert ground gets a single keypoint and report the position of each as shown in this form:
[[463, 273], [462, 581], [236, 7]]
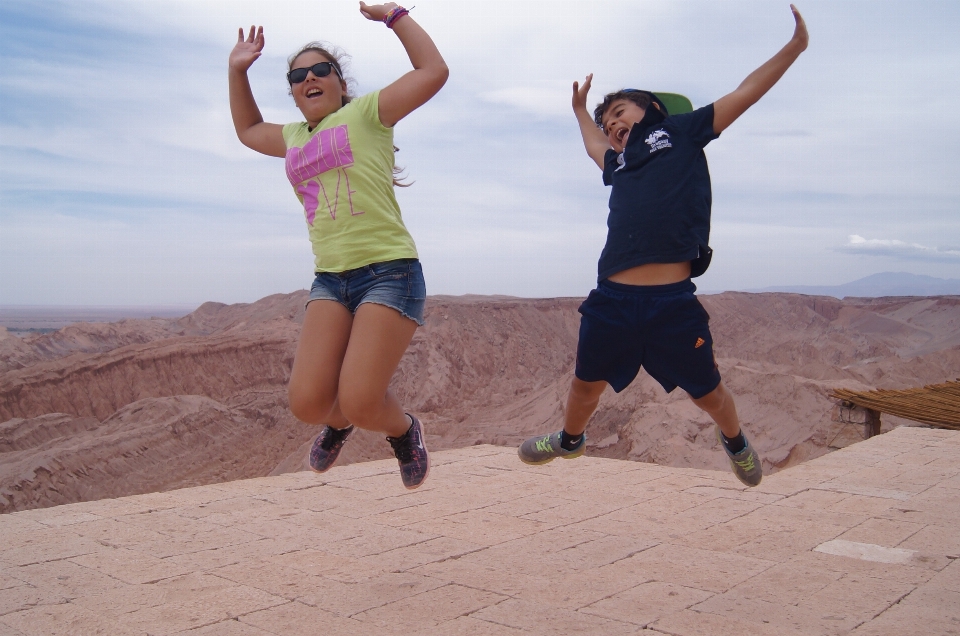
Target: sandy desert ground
[[100, 410]]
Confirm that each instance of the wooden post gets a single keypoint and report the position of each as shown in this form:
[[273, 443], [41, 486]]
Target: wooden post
[[872, 426]]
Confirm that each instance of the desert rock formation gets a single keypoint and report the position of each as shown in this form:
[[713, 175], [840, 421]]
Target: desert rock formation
[[109, 409]]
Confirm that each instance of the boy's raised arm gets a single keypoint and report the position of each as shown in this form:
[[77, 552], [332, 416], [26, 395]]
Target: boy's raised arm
[[593, 138], [728, 108]]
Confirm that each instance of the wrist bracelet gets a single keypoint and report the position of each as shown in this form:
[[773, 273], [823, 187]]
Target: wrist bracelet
[[393, 15]]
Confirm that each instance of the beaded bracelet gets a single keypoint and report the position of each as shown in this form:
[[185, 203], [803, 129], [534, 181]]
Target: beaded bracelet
[[393, 15]]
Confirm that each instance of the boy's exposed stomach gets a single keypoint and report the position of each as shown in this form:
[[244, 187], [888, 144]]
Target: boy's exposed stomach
[[653, 274]]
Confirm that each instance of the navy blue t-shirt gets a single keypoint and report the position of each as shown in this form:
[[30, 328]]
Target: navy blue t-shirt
[[660, 203]]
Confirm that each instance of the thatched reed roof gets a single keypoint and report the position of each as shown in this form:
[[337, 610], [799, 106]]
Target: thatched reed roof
[[935, 404]]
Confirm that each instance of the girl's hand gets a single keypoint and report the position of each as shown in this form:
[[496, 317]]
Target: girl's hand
[[376, 12], [800, 35], [246, 52], [580, 93]]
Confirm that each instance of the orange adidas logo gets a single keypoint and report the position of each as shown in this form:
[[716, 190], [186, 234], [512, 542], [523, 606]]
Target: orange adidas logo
[[700, 342]]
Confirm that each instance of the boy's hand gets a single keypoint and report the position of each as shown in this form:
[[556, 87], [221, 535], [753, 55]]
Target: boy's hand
[[580, 93], [246, 52], [376, 12], [800, 35], [594, 141]]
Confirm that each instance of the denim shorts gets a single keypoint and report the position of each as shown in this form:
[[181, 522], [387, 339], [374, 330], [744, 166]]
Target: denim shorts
[[395, 284], [662, 328]]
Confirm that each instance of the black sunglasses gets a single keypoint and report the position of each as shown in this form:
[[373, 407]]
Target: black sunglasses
[[320, 69]]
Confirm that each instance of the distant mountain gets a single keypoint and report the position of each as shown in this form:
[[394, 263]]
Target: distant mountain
[[884, 284]]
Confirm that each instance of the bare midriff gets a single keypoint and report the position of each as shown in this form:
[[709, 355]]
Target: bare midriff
[[653, 274]]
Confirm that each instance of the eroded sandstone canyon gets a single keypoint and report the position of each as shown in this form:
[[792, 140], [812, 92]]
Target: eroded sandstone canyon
[[109, 409]]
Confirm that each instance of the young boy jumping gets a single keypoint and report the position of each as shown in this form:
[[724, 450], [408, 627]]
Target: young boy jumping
[[643, 312]]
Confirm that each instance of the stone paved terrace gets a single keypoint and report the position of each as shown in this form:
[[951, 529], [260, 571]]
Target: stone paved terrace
[[862, 541]]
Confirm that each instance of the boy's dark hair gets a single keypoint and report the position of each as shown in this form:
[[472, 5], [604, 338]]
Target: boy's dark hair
[[640, 98]]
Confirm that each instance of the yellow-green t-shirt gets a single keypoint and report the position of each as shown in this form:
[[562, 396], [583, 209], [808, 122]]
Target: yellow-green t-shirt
[[342, 172]]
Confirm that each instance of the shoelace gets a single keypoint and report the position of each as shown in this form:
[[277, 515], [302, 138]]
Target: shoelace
[[543, 445], [334, 436], [402, 448]]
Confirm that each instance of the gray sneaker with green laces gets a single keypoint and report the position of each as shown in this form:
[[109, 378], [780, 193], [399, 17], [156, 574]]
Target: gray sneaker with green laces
[[746, 464], [544, 448]]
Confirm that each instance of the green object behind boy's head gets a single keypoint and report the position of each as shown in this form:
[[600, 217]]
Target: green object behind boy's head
[[672, 103], [676, 104]]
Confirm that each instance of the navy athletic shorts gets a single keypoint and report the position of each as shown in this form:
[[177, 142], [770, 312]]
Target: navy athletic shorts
[[662, 328]]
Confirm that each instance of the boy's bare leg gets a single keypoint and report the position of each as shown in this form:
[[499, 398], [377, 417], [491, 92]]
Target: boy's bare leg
[[743, 458], [719, 405], [582, 401]]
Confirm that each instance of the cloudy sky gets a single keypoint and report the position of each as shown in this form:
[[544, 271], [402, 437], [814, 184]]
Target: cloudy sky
[[122, 181]]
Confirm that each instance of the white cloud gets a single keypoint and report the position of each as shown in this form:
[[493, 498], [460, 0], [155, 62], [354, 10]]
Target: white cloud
[[900, 249]]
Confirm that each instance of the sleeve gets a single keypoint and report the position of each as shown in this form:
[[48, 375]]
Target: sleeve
[[368, 106], [287, 132], [610, 163], [697, 125]]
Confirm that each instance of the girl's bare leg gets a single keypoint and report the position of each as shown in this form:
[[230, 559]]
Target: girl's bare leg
[[316, 367], [378, 338]]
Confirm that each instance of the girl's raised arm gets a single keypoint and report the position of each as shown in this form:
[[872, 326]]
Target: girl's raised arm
[[252, 131], [429, 73]]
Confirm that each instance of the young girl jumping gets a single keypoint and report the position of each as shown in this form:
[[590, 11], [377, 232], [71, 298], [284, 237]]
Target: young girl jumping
[[368, 294]]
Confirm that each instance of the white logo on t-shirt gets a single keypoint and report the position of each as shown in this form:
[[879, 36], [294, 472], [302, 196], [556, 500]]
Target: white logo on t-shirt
[[658, 140], [621, 163]]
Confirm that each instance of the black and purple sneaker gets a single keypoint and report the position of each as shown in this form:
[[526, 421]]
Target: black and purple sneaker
[[326, 448], [412, 455]]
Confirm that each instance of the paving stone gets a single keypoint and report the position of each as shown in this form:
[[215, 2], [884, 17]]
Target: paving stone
[[647, 602], [789, 619], [535, 618], [691, 567], [21, 597], [743, 494], [67, 579], [66, 618], [195, 601], [898, 620], [7, 580], [784, 545], [480, 527], [861, 505], [949, 577], [229, 627], [856, 597], [275, 578], [905, 573], [468, 626], [348, 599], [408, 557], [297, 619], [131, 566], [428, 609], [319, 563], [693, 623], [51, 544], [481, 550], [714, 512], [784, 583], [885, 532], [814, 499]]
